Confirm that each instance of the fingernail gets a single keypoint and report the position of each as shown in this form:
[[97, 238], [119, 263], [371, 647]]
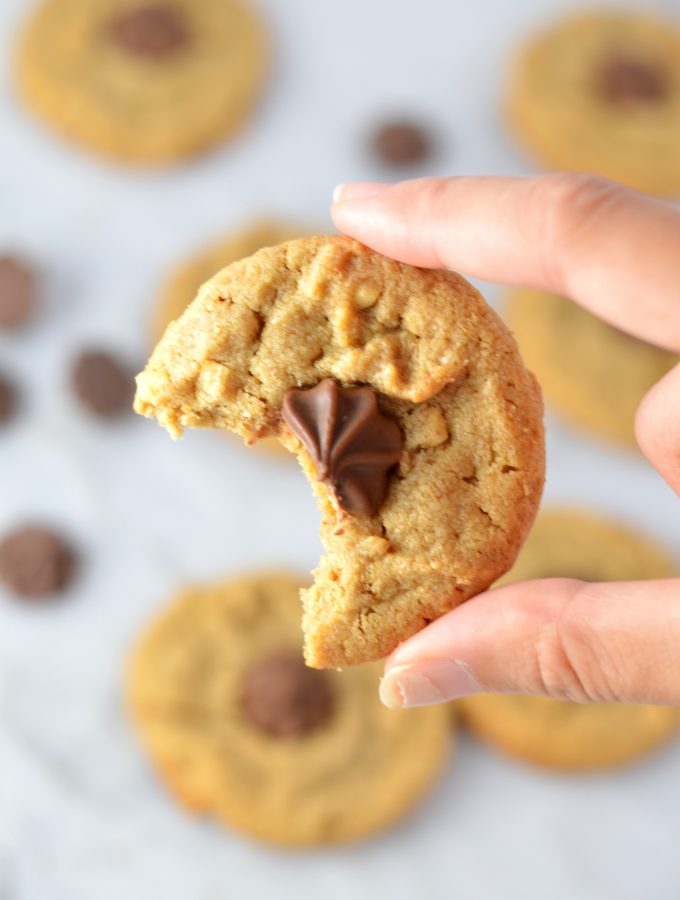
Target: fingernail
[[428, 682], [358, 190]]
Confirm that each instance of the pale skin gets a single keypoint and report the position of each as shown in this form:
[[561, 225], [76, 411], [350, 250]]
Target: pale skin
[[617, 254]]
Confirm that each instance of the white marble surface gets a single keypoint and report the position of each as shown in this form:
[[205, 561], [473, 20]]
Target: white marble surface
[[81, 817]]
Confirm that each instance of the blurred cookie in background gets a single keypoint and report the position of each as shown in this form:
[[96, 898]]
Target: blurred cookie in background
[[18, 292], [238, 727], [143, 81], [591, 373], [183, 283], [558, 734], [561, 734], [600, 92]]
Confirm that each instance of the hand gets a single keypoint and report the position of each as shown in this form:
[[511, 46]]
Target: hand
[[617, 254]]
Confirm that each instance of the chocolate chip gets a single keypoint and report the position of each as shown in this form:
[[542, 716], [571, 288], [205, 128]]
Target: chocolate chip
[[622, 79], [17, 292], [7, 399], [401, 144], [155, 31], [352, 443], [102, 384], [284, 698], [35, 562]]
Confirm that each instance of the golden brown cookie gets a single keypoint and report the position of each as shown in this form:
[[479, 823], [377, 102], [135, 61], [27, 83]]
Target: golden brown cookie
[[600, 92], [428, 476], [239, 728], [593, 374], [143, 81], [560, 734]]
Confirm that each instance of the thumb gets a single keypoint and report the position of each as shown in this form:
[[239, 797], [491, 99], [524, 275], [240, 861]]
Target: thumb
[[556, 637]]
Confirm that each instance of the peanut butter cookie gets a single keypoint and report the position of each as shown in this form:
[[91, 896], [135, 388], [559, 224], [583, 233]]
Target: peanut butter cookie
[[560, 734], [410, 410], [594, 374], [240, 728], [600, 92], [143, 81]]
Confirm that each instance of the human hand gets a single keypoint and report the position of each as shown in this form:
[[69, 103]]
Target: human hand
[[617, 254]]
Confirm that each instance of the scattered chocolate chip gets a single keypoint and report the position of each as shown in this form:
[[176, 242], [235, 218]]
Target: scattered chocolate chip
[[102, 384], [7, 399], [17, 292], [352, 443], [284, 698], [35, 562], [155, 31], [401, 144], [623, 79]]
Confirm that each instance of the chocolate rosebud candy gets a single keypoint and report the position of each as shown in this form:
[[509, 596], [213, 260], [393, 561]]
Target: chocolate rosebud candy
[[155, 31], [284, 698], [353, 445], [622, 79]]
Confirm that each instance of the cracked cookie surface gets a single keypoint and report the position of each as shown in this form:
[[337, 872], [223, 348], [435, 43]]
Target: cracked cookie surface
[[442, 366], [287, 763], [557, 733], [143, 81]]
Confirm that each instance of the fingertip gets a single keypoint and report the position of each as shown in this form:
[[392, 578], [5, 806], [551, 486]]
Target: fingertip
[[426, 681], [358, 190], [390, 692]]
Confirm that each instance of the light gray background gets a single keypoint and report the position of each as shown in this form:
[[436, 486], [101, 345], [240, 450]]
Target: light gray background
[[81, 817]]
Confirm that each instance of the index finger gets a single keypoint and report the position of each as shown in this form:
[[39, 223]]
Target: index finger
[[615, 252], [555, 637]]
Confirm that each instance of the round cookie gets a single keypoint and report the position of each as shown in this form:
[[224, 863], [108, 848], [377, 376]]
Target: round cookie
[[600, 92], [239, 728], [182, 285], [593, 374], [561, 734], [428, 477], [143, 81]]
